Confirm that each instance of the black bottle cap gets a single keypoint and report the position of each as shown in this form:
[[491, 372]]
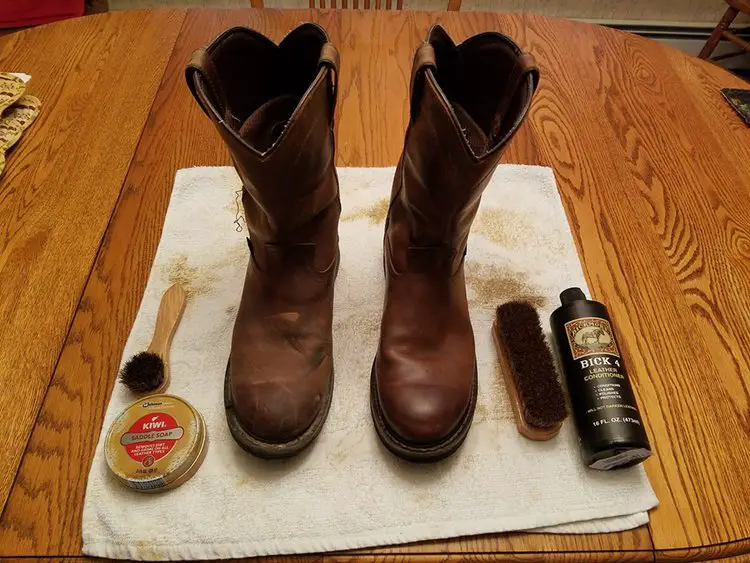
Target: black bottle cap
[[572, 294]]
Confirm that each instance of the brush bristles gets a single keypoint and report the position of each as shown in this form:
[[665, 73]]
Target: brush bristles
[[143, 373], [540, 393]]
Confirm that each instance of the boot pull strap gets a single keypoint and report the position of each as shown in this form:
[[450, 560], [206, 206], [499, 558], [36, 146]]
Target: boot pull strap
[[329, 58], [201, 75], [424, 59], [524, 68]]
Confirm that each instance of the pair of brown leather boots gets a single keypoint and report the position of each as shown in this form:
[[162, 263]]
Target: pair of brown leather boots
[[274, 107]]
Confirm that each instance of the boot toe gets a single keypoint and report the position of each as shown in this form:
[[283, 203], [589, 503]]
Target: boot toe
[[274, 412], [423, 414]]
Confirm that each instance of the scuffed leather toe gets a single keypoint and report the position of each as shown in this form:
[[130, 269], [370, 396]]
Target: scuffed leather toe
[[274, 412]]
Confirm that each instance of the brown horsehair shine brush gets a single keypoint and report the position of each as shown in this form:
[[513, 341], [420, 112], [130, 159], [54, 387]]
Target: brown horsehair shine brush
[[531, 379], [148, 372]]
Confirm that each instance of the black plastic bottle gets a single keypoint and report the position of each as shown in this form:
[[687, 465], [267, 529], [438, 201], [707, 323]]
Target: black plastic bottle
[[607, 417]]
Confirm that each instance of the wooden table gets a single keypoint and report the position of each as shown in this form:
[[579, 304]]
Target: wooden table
[[652, 164]]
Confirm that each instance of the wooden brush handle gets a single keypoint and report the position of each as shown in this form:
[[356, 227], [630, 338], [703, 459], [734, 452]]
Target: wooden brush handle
[[170, 311]]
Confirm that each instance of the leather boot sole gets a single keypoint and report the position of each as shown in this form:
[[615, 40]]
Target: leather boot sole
[[420, 453], [272, 450]]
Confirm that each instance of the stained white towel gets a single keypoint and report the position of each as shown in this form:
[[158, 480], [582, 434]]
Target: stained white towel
[[346, 490]]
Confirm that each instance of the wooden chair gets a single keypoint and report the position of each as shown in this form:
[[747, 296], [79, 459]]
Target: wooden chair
[[722, 31], [453, 5]]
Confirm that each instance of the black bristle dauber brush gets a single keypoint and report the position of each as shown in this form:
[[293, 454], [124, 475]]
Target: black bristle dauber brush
[[148, 372], [531, 379]]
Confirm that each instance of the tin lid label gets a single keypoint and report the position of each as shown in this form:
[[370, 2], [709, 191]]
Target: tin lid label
[[152, 436], [156, 443]]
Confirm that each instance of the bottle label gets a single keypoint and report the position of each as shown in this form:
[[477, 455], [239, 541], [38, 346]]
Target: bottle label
[[606, 414], [590, 335]]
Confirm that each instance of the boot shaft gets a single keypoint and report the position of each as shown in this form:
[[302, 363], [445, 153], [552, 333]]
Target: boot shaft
[[467, 101], [273, 106]]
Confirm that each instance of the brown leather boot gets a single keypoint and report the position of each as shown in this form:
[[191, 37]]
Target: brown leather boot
[[467, 101], [273, 106]]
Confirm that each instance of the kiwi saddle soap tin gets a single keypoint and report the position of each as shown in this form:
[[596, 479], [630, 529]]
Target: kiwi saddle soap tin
[[156, 444]]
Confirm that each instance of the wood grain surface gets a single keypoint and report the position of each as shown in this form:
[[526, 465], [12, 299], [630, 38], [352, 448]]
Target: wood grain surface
[[654, 171], [728, 552], [632, 546], [657, 197], [60, 186]]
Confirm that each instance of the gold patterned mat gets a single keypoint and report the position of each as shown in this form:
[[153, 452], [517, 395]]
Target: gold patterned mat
[[11, 88], [15, 120]]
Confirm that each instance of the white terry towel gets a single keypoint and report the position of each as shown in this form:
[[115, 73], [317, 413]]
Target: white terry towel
[[346, 490]]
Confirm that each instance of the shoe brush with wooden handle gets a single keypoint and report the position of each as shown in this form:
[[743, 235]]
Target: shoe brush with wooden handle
[[536, 396], [148, 372]]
